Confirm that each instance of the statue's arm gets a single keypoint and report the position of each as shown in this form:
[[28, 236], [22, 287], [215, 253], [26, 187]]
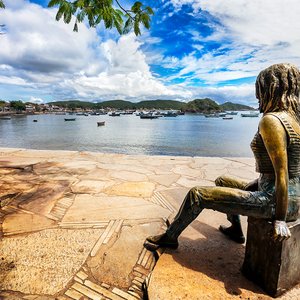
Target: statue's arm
[[275, 140]]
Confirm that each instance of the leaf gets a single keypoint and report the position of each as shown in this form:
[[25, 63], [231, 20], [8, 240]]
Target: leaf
[[54, 2], [136, 27], [60, 13], [149, 10], [136, 7], [145, 19]]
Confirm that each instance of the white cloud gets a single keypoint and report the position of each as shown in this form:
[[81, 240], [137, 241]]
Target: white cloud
[[40, 54], [48, 55], [243, 94], [36, 100], [252, 35]]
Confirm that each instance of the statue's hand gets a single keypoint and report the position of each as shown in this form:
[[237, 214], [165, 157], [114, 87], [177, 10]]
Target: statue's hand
[[281, 230]]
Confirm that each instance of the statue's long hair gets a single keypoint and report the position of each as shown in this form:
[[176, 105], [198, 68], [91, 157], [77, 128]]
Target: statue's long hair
[[277, 89]]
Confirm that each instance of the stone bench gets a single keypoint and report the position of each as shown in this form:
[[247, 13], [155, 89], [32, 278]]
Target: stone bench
[[273, 265]]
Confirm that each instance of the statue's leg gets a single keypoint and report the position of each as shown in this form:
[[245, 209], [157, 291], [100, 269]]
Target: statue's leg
[[232, 182], [188, 212], [235, 231], [223, 199]]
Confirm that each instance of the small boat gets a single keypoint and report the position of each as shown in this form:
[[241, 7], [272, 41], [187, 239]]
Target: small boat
[[170, 114], [114, 114], [227, 118], [250, 115], [233, 113], [5, 118], [102, 123], [148, 116], [212, 116], [70, 119], [35, 120]]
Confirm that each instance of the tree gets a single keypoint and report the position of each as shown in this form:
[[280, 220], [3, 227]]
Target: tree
[[18, 105], [96, 11]]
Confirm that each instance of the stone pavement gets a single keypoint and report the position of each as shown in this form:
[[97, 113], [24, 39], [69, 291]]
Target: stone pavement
[[72, 226]]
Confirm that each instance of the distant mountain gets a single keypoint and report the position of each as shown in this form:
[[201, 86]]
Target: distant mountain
[[235, 106], [205, 105], [116, 104], [161, 104], [74, 104]]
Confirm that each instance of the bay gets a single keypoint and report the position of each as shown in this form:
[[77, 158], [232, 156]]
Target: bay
[[187, 135]]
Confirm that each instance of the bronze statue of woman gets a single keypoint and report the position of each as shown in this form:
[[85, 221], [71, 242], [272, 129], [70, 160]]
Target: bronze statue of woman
[[275, 195]]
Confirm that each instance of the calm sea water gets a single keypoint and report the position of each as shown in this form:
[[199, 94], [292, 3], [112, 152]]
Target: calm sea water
[[189, 135]]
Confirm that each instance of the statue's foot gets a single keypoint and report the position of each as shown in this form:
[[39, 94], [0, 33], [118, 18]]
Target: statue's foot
[[233, 233], [152, 243]]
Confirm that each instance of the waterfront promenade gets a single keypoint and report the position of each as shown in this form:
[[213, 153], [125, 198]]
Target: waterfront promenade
[[73, 226]]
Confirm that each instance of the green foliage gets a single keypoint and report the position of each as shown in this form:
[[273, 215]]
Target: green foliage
[[97, 11], [72, 104], [117, 104], [161, 104], [2, 4], [234, 106], [198, 105], [202, 105], [18, 105]]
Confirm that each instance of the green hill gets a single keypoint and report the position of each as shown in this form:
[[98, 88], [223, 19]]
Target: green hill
[[235, 106], [205, 105], [160, 104], [202, 105], [116, 104]]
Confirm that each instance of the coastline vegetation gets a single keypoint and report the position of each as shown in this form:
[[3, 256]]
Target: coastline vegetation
[[205, 105]]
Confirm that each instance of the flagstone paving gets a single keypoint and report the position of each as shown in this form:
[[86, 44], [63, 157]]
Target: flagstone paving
[[72, 226]]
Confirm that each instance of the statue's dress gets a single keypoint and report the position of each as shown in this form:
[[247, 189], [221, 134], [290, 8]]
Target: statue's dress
[[231, 198]]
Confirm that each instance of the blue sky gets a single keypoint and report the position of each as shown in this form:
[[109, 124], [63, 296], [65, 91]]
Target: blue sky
[[194, 49]]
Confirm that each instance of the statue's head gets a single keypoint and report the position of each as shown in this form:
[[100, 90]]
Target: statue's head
[[277, 89]]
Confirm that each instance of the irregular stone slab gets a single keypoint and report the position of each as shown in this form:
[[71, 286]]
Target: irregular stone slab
[[24, 223], [191, 182], [125, 167], [97, 174], [44, 198], [80, 167], [175, 196], [45, 168], [243, 172], [114, 263], [187, 171], [129, 176], [165, 180], [101, 208], [90, 186], [45, 261], [133, 189]]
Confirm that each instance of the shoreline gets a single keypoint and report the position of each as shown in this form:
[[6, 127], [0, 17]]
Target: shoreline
[[15, 149]]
